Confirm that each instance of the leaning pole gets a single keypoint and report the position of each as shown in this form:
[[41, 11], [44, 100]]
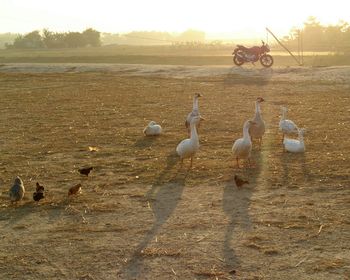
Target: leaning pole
[[283, 46]]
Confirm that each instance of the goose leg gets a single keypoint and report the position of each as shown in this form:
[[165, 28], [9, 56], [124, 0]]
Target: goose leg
[[191, 162], [237, 162], [182, 163]]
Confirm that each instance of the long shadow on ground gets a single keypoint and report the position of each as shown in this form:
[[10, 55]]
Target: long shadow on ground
[[236, 203], [163, 198]]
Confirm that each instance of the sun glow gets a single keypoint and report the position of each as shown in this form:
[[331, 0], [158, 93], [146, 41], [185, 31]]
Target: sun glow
[[221, 18]]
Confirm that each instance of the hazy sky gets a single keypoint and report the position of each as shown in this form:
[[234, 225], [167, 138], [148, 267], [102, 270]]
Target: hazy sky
[[228, 17]]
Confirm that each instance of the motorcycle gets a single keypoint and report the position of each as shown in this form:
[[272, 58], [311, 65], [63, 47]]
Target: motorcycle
[[242, 54]]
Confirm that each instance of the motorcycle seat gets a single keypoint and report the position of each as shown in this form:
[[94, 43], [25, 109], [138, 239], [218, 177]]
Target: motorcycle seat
[[251, 49]]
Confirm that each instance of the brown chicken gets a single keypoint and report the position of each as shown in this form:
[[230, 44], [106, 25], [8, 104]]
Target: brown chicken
[[240, 182], [39, 193], [85, 171], [75, 190], [39, 188]]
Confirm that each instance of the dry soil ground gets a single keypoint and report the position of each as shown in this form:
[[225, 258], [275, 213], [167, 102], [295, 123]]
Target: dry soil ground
[[140, 216]]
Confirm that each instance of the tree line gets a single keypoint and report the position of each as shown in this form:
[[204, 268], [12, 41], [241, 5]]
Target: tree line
[[318, 37], [49, 39], [315, 37], [90, 37]]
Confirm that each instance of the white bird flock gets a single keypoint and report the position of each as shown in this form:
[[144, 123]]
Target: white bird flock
[[242, 147]]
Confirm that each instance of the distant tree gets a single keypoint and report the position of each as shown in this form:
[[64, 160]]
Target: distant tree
[[313, 33], [7, 39], [32, 40], [50, 39], [74, 40], [317, 37], [92, 37]]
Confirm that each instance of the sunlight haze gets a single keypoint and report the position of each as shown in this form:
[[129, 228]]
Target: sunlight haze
[[221, 18]]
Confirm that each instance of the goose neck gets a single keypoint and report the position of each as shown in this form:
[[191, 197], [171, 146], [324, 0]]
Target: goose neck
[[246, 131], [257, 110], [301, 137], [194, 134], [195, 104], [283, 116]]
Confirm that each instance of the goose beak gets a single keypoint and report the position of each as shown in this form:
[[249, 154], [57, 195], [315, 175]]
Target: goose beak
[[202, 119]]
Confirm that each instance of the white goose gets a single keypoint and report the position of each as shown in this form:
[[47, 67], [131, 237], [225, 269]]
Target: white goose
[[286, 126], [188, 147], [242, 147], [293, 145], [257, 131], [195, 111], [152, 129]]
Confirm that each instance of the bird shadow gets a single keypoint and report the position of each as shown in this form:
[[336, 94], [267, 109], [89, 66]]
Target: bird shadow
[[171, 161], [236, 204], [21, 211], [145, 141], [163, 200], [289, 163]]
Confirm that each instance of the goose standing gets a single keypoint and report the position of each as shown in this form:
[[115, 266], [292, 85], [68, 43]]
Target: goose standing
[[286, 126], [293, 145], [195, 111], [17, 190], [152, 129], [257, 131], [187, 148], [242, 147]]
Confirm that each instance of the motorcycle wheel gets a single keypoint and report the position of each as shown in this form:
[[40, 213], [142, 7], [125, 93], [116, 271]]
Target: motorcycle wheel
[[266, 60], [237, 60]]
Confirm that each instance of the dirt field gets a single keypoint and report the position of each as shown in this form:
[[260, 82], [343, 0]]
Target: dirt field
[[140, 216]]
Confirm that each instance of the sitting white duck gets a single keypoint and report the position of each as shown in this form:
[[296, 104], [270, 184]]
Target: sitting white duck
[[187, 148], [293, 145], [195, 111], [242, 147], [152, 129], [257, 131], [286, 126]]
